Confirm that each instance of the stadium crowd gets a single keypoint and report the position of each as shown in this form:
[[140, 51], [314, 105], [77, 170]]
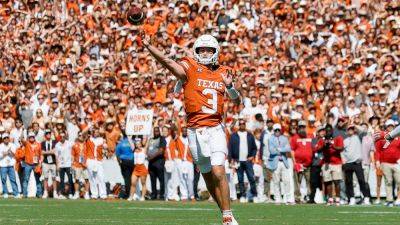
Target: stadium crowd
[[317, 79]]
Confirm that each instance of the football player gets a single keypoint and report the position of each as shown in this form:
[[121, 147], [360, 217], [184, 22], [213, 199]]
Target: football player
[[204, 84]]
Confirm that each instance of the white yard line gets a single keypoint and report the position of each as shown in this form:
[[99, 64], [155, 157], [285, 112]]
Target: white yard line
[[367, 212], [17, 205], [166, 209]]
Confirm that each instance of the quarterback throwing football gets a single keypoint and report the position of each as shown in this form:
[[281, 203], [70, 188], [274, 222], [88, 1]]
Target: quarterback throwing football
[[205, 84]]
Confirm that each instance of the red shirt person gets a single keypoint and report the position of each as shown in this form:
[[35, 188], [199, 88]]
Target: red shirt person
[[332, 169], [302, 157], [387, 157]]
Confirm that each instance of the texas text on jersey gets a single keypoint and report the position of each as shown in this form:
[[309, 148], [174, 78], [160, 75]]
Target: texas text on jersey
[[204, 93]]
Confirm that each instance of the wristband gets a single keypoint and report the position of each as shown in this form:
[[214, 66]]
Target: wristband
[[233, 94]]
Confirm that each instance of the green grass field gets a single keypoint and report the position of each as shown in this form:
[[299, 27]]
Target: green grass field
[[36, 211]]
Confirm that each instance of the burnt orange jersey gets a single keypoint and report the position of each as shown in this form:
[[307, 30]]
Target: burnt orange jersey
[[204, 93]]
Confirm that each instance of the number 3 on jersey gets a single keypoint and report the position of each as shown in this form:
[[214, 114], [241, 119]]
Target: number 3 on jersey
[[212, 101]]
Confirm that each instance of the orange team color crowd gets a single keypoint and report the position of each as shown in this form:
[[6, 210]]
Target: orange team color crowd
[[322, 76]]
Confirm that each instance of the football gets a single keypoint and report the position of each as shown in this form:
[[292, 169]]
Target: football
[[135, 16]]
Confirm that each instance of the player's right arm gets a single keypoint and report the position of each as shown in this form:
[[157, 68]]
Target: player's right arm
[[175, 68]]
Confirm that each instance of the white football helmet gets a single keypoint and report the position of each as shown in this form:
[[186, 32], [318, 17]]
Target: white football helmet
[[207, 41]]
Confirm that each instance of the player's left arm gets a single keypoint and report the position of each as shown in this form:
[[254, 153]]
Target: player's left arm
[[233, 94]]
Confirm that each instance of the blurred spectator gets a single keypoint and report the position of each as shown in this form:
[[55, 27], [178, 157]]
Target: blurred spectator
[[242, 150], [94, 154], [368, 151], [49, 167], [171, 156], [387, 158], [186, 175], [331, 148], [140, 171], [79, 165], [31, 162], [63, 152], [302, 158], [156, 150], [317, 161], [124, 153], [278, 163], [353, 165], [7, 162]]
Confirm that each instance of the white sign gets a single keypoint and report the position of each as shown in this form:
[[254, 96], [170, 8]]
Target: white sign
[[139, 122]]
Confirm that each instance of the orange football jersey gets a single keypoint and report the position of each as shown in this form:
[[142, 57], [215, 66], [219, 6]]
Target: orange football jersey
[[204, 92]]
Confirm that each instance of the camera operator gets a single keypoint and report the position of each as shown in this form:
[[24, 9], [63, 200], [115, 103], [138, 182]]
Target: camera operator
[[331, 148]]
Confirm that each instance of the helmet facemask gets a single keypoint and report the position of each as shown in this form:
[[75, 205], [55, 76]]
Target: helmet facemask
[[204, 55]]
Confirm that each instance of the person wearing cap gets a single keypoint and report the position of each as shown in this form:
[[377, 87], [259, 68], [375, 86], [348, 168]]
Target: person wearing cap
[[79, 170], [302, 158], [387, 158], [7, 162], [352, 159], [49, 168], [124, 153], [63, 153], [32, 161], [242, 150], [331, 147], [278, 163]]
